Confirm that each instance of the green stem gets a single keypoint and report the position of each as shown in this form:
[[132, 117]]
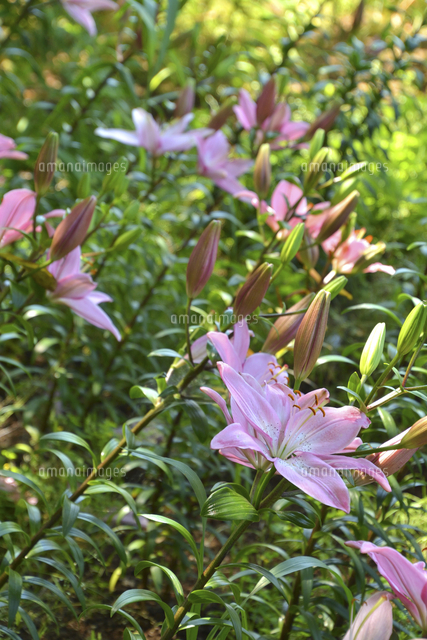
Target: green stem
[[217, 561], [187, 330], [296, 591], [381, 379]]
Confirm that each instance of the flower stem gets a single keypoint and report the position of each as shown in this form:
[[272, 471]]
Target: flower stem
[[296, 591], [216, 562], [187, 330], [381, 379]]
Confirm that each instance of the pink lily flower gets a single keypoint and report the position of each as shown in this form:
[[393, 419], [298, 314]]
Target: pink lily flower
[[233, 351], [279, 121], [408, 580], [17, 211], [272, 426], [350, 254], [214, 163], [7, 149], [154, 139], [81, 11], [374, 620], [77, 290], [287, 205]]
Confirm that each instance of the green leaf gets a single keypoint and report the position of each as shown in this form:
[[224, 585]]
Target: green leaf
[[15, 590], [298, 564], [55, 564], [198, 419], [70, 511], [205, 596], [11, 527], [191, 476], [45, 584], [327, 359], [126, 239], [141, 595], [122, 613], [144, 392], [88, 517], [177, 586], [29, 483], [106, 486], [176, 525], [172, 12], [165, 353], [227, 504], [376, 307], [72, 438]]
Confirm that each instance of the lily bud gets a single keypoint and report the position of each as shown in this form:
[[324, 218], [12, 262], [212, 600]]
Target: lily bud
[[389, 462], [315, 170], [46, 164], [310, 336], [185, 102], [202, 259], [292, 243], [262, 171], [285, 328], [253, 291], [266, 101], [373, 350], [416, 436], [358, 16], [374, 620], [220, 118], [72, 230], [324, 121], [335, 286], [411, 330], [337, 216], [309, 255]]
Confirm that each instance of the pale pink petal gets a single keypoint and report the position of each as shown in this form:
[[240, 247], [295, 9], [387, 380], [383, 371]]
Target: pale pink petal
[[82, 16], [408, 581], [316, 478], [67, 266], [261, 366], [246, 110], [252, 404], [126, 137], [89, 310], [231, 185], [236, 436], [373, 621], [285, 197], [214, 395], [378, 266], [293, 130], [74, 287], [328, 431], [241, 339], [227, 352], [358, 464]]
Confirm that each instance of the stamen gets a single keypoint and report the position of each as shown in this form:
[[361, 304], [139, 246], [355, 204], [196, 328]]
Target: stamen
[[317, 401], [291, 397], [323, 412], [313, 410], [299, 394], [297, 407]]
